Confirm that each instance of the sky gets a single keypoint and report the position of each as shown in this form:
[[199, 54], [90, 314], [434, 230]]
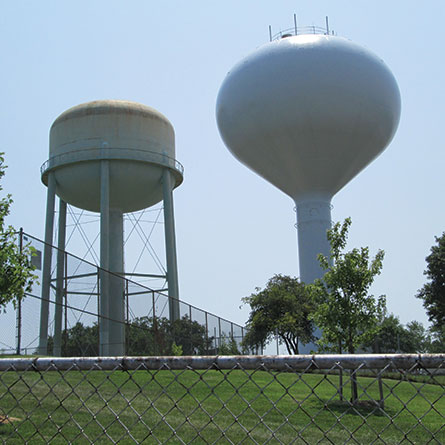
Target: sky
[[234, 230]]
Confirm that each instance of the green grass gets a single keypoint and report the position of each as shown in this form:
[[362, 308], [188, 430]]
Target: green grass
[[48, 408]]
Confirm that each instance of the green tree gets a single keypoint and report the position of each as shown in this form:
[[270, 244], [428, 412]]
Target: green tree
[[144, 336], [16, 270], [433, 292], [393, 337], [387, 340], [78, 341], [228, 346], [191, 335], [347, 316], [436, 340], [282, 308]]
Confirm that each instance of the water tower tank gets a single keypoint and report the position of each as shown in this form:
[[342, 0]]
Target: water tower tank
[[308, 113], [112, 157], [138, 141]]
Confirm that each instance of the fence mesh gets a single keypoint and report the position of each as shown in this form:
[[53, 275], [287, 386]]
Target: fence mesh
[[233, 399], [148, 329]]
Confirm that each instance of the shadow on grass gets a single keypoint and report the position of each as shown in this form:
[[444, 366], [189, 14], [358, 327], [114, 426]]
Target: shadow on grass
[[362, 408]]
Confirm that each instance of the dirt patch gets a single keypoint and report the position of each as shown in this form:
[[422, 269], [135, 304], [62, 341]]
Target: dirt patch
[[6, 419]]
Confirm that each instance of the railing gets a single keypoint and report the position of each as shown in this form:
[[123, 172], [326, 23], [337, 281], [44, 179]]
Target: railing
[[95, 154], [233, 399], [300, 31]]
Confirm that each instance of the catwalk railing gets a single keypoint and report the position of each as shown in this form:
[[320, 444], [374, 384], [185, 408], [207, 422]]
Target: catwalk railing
[[147, 326], [233, 399]]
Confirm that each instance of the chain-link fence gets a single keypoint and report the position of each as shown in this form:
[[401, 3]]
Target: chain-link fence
[[147, 325], [233, 399]]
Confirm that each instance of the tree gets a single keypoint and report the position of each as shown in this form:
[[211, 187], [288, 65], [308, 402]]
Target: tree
[[78, 341], [16, 275], [433, 292], [347, 316], [393, 337], [144, 336], [282, 308], [228, 346], [387, 340]]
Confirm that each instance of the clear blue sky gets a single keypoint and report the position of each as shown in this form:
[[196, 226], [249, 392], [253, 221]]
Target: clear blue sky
[[234, 230]]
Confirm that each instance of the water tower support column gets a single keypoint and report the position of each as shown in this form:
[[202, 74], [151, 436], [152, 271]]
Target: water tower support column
[[59, 279], [46, 272], [313, 222], [104, 258], [170, 245], [116, 302], [112, 308]]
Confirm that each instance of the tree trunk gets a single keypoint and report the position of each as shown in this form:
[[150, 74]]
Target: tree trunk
[[354, 392], [381, 401], [340, 388]]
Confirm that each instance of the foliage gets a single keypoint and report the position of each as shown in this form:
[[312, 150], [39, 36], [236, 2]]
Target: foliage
[[228, 346], [144, 336], [16, 275], [190, 335], [282, 308], [437, 340], [346, 314], [176, 350], [393, 337], [433, 292]]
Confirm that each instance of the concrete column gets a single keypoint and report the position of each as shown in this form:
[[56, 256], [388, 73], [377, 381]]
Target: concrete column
[[104, 258], [170, 245], [116, 301], [59, 279], [46, 272], [313, 222]]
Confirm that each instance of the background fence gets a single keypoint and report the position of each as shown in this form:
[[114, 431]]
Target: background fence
[[147, 325], [235, 399]]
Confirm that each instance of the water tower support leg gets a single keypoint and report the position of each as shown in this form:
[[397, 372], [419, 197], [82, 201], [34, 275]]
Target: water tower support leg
[[104, 258], [313, 222], [59, 279], [170, 245], [116, 301], [46, 272]]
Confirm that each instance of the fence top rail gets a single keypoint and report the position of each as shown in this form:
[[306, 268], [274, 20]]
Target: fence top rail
[[248, 362]]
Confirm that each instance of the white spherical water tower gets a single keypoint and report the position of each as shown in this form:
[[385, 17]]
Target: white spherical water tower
[[308, 113], [111, 157]]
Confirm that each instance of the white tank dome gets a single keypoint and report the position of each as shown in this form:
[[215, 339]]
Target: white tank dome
[[308, 112]]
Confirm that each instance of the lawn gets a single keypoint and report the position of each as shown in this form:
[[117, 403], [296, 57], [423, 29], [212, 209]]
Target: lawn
[[213, 407]]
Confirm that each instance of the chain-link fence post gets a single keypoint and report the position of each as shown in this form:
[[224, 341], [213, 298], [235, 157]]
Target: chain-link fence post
[[19, 305]]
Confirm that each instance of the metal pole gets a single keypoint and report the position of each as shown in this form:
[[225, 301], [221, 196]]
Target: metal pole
[[219, 329], [170, 245], [207, 333], [270, 33], [46, 272], [104, 257], [295, 24], [57, 351], [327, 25], [65, 291], [19, 303], [116, 297], [191, 331]]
